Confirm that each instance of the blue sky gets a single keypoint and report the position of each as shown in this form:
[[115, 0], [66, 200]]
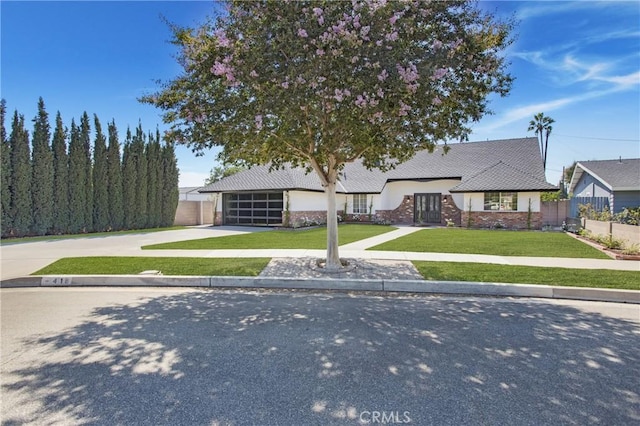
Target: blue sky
[[578, 62]]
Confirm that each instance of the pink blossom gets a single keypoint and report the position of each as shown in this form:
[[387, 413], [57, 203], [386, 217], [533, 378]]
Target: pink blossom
[[392, 36], [394, 18], [317, 11], [320, 20], [380, 93], [360, 101], [356, 22], [222, 39], [302, 33], [354, 59], [339, 96], [285, 84], [408, 74], [404, 108], [253, 74], [219, 68], [364, 31], [439, 73], [258, 120], [319, 52], [379, 43], [436, 101], [383, 75], [436, 45]]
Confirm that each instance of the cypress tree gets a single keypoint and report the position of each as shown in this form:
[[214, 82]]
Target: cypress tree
[[60, 178], [100, 180], [170, 191], [154, 190], [42, 174], [129, 178], [5, 171], [20, 209], [77, 184], [114, 180], [140, 161], [85, 136]]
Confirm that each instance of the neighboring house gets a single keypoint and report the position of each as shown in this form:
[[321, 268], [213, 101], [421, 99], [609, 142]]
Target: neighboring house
[[618, 180], [190, 193], [485, 184]]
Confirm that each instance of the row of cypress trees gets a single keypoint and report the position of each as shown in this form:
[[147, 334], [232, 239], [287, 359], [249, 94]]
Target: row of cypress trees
[[62, 183]]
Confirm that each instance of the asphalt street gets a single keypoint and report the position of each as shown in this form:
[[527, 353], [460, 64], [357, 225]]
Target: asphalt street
[[195, 357]]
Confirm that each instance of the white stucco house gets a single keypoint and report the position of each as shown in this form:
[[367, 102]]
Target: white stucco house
[[479, 184]]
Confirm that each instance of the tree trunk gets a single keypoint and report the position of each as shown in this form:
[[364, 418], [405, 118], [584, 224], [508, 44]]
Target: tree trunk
[[333, 257]]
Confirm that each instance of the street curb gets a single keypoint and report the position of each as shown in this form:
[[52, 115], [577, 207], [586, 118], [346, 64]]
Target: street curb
[[406, 286]]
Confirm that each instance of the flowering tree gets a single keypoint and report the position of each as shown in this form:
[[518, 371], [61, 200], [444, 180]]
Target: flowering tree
[[322, 84]]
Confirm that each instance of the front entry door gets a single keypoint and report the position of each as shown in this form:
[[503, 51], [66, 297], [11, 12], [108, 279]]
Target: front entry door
[[426, 208]]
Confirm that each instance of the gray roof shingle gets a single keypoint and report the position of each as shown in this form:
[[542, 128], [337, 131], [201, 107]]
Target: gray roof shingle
[[621, 174], [502, 177], [464, 161]]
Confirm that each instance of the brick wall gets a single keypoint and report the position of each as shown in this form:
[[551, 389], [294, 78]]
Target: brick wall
[[404, 212], [450, 211], [506, 220], [401, 214]]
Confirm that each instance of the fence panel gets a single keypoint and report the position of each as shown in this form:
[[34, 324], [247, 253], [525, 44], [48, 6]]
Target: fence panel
[[597, 203], [554, 213]]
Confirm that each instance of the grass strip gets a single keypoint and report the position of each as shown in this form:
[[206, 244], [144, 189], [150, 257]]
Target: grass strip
[[493, 242], [250, 267], [485, 272], [280, 239], [7, 241]]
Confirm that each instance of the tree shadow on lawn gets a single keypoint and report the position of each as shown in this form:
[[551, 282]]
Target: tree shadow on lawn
[[223, 357]]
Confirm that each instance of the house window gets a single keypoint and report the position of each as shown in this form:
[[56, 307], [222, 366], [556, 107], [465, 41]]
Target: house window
[[359, 203], [501, 201]]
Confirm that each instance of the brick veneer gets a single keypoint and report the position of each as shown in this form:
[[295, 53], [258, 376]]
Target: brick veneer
[[404, 212], [450, 211], [401, 214], [507, 220]]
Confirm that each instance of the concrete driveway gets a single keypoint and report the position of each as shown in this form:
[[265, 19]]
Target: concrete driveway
[[19, 260], [193, 357]]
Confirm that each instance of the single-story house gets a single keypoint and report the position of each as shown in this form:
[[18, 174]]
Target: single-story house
[[481, 184], [617, 180]]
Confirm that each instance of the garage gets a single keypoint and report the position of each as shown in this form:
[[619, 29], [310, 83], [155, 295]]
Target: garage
[[253, 208]]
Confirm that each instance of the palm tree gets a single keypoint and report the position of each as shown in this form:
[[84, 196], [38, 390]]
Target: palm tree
[[542, 124]]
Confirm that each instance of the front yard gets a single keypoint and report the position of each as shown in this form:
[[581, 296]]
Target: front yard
[[492, 242], [503, 243], [315, 238]]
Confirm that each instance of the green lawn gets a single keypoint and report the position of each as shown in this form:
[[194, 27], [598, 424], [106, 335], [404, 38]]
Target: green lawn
[[493, 242], [484, 272], [168, 266], [7, 241], [438, 271], [282, 239]]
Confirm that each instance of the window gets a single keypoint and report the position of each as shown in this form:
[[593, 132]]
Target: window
[[501, 201], [360, 204]]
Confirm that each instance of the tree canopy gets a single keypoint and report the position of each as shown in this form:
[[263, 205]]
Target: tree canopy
[[324, 83]]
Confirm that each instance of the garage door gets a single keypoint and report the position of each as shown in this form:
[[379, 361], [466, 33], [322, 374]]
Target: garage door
[[253, 208]]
